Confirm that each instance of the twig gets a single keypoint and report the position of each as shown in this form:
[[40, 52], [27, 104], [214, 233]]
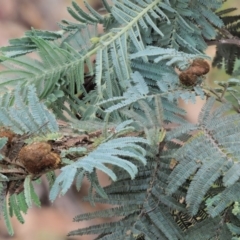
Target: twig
[[224, 91], [234, 41], [220, 98], [226, 33], [229, 38], [12, 171]]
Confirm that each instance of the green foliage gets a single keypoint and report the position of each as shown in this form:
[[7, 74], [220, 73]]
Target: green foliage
[[170, 179], [7, 218], [227, 55], [22, 46], [29, 193]]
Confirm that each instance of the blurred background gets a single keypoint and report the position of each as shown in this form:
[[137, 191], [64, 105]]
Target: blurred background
[[54, 221], [17, 16]]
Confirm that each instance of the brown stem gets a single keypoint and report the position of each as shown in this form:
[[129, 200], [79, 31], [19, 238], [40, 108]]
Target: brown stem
[[228, 38], [16, 177], [12, 162], [226, 33], [12, 171], [234, 41]]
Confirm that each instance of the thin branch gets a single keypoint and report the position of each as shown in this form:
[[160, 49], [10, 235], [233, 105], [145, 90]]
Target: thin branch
[[228, 38], [226, 33], [234, 41], [224, 91], [220, 98], [12, 171]]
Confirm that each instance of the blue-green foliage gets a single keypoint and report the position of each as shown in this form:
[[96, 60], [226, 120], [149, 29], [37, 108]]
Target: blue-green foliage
[[195, 179], [212, 152], [114, 152], [132, 26], [168, 183], [22, 112]]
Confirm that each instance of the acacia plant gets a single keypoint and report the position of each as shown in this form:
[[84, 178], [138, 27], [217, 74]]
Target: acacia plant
[[170, 179]]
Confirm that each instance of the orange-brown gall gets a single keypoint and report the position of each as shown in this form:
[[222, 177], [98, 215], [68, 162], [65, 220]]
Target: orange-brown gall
[[188, 79], [37, 157], [199, 67], [190, 76]]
